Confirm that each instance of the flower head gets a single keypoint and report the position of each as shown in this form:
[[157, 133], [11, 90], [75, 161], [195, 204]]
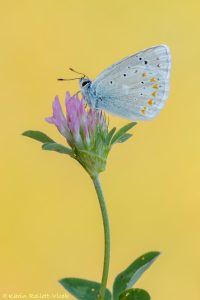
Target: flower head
[[85, 130]]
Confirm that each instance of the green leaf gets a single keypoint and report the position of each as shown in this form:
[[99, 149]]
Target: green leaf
[[38, 136], [121, 132], [110, 135], [83, 289], [135, 294], [124, 138], [127, 278], [58, 148]]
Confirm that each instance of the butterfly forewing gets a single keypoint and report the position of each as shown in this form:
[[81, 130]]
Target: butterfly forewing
[[137, 86]]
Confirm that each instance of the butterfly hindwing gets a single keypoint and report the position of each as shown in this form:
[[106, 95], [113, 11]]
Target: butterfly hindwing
[[137, 86]]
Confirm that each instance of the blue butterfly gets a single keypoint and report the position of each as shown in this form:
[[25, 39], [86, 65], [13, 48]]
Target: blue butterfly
[[135, 88]]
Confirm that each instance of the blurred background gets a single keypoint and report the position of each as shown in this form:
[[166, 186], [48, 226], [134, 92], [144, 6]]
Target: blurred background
[[50, 225]]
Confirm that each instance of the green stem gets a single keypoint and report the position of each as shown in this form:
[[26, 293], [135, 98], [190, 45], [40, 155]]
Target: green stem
[[104, 213]]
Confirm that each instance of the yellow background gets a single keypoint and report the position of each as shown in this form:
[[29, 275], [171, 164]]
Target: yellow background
[[50, 225]]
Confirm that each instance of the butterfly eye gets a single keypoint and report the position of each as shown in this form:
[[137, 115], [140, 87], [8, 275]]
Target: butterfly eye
[[85, 82]]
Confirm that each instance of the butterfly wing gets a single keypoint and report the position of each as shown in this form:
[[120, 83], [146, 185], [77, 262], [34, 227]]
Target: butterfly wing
[[137, 86]]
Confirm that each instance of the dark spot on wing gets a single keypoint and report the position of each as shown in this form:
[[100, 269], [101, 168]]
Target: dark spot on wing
[[140, 58], [145, 62], [111, 82], [124, 75]]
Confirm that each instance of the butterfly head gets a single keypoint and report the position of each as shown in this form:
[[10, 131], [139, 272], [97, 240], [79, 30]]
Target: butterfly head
[[84, 83]]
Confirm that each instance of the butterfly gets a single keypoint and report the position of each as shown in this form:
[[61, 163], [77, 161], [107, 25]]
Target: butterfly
[[135, 87]]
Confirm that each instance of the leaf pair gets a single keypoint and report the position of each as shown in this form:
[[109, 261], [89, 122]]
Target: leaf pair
[[121, 135], [88, 290], [48, 143]]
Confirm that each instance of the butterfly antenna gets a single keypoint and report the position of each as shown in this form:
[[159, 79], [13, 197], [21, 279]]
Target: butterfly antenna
[[77, 72], [67, 79]]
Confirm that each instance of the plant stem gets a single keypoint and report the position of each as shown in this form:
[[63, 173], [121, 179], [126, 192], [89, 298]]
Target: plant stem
[[104, 213]]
